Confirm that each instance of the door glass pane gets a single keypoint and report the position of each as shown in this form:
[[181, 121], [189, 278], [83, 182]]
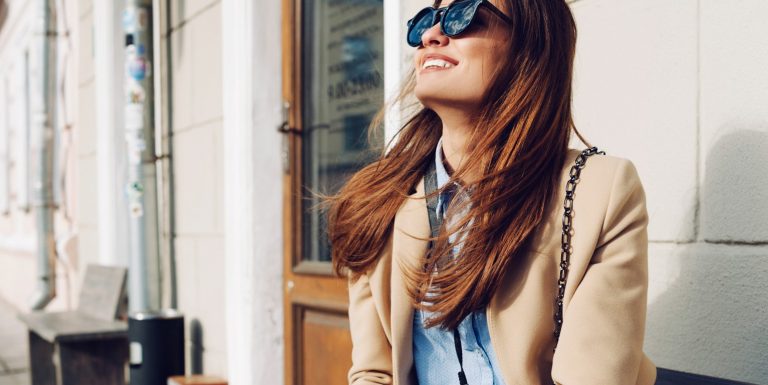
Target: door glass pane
[[342, 77]]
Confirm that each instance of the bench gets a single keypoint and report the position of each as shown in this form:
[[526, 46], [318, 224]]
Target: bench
[[88, 345]]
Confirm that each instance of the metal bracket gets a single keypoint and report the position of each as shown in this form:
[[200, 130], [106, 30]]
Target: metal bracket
[[286, 129]]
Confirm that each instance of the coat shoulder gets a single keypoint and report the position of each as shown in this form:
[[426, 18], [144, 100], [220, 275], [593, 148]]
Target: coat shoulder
[[600, 180], [600, 172], [605, 165]]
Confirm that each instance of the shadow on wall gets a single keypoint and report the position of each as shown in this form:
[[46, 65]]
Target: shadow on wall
[[3, 12], [711, 313], [196, 346]]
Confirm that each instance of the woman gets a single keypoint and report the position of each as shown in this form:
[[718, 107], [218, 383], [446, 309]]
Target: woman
[[488, 153]]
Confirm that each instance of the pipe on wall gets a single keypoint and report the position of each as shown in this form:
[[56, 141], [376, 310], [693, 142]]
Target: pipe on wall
[[43, 72], [144, 273]]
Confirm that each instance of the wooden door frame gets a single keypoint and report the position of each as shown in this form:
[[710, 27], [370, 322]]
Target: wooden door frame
[[308, 285]]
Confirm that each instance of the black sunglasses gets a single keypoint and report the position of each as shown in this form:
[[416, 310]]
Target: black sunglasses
[[454, 19]]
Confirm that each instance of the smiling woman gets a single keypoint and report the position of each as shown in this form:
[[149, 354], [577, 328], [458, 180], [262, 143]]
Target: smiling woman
[[465, 240]]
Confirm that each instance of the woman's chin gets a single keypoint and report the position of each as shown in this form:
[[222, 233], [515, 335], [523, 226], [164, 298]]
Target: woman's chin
[[443, 99]]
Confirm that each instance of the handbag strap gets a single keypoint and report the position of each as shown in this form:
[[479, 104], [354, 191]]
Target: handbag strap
[[565, 247], [430, 186]]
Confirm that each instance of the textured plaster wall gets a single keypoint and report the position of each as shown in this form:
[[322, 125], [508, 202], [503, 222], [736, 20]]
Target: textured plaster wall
[[260, 299], [679, 87]]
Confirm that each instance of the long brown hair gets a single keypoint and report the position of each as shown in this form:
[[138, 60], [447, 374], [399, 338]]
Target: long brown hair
[[520, 141]]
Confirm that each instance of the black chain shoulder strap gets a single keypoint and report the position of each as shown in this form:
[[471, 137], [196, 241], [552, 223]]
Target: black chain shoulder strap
[[565, 250]]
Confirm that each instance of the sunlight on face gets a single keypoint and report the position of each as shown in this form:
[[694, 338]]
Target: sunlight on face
[[456, 71]]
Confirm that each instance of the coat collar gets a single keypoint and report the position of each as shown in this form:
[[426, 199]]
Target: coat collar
[[409, 245]]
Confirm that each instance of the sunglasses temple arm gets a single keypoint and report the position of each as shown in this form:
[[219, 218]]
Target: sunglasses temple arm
[[498, 12]]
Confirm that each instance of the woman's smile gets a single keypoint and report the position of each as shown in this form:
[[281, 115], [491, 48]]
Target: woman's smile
[[437, 62]]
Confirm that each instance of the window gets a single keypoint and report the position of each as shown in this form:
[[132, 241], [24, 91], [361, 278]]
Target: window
[[342, 88]]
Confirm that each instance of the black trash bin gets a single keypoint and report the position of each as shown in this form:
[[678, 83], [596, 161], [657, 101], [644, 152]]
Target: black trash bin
[[156, 341]]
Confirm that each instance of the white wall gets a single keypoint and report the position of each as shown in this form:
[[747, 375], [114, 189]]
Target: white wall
[[18, 269], [253, 176], [680, 88], [17, 228], [194, 37]]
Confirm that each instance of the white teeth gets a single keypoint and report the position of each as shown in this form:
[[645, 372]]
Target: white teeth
[[436, 63]]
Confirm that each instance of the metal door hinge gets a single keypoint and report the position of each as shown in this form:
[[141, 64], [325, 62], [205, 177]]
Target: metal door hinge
[[286, 129]]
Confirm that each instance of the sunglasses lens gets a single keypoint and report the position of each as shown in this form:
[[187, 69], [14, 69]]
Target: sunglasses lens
[[420, 23], [459, 16]]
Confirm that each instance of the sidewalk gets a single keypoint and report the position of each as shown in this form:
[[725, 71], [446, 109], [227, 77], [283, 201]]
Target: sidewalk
[[14, 367]]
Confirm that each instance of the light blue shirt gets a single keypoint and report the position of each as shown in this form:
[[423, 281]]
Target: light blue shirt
[[434, 354]]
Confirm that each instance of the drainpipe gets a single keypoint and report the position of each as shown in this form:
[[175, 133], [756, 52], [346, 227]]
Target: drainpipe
[[144, 256], [155, 335], [43, 114]]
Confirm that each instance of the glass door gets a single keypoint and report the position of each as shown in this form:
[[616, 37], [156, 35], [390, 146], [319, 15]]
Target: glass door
[[333, 85]]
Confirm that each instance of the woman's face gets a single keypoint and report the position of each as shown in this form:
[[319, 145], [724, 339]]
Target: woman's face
[[473, 55]]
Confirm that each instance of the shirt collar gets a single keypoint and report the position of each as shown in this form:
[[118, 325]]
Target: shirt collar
[[442, 173], [442, 176]]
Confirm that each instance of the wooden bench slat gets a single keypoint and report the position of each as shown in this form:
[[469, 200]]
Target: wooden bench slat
[[72, 326], [103, 288]]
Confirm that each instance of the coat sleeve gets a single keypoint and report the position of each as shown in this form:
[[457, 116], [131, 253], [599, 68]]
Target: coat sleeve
[[601, 341], [371, 351]]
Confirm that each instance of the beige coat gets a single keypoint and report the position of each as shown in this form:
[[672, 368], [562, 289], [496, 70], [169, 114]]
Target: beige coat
[[601, 342]]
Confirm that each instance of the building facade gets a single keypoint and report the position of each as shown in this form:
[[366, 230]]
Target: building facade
[[676, 87]]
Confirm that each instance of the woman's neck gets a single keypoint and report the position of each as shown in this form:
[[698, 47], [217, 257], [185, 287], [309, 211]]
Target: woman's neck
[[454, 148], [456, 133]]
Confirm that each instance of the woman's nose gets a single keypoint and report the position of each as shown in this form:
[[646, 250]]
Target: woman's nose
[[434, 36]]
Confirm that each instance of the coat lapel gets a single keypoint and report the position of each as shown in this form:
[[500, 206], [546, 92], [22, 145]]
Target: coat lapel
[[409, 245]]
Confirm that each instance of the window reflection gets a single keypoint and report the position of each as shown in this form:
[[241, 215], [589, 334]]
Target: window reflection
[[342, 77]]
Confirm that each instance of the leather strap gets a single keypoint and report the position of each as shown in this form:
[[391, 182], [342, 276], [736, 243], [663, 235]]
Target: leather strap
[[430, 186]]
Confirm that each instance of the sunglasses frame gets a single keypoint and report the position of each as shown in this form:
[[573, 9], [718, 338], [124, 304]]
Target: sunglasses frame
[[439, 14]]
